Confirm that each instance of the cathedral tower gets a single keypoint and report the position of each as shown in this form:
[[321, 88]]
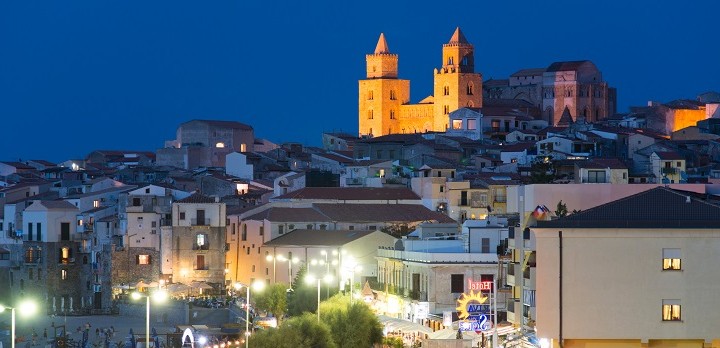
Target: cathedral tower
[[381, 94], [457, 84]]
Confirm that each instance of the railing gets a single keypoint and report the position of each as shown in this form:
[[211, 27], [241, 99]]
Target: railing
[[438, 257], [32, 260], [500, 199], [354, 181], [200, 222], [88, 227], [201, 247], [165, 222], [587, 180], [669, 171]]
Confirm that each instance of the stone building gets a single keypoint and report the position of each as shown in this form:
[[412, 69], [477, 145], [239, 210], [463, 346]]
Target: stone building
[[384, 100], [205, 143], [576, 85], [195, 250]]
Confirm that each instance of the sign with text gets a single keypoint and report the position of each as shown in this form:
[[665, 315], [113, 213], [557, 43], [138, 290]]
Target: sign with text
[[479, 286]]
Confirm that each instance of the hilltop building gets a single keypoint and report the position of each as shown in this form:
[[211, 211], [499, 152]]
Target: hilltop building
[[384, 99]]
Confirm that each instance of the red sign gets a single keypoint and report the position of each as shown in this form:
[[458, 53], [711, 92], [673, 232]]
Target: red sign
[[479, 286]]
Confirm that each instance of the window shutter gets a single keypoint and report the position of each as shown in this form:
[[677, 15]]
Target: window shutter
[[137, 259], [149, 260]]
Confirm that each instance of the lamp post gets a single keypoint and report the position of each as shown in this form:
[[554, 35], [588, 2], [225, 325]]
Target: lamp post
[[311, 279], [158, 296], [26, 307], [258, 285], [282, 258]]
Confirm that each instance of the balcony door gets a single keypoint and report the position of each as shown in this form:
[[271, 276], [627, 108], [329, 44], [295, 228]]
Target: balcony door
[[200, 215], [200, 262], [65, 231]]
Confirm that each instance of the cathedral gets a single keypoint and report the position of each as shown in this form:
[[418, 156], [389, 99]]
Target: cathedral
[[384, 100], [562, 93]]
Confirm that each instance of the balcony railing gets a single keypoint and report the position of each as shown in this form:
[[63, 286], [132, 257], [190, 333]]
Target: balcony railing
[[32, 260], [200, 222], [354, 181], [669, 171], [201, 247]]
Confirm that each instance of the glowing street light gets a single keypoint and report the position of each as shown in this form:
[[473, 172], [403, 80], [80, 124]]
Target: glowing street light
[[257, 286], [158, 296], [311, 279], [27, 308], [282, 258]]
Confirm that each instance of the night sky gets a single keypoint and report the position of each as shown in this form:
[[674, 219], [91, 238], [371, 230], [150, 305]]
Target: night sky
[[77, 76]]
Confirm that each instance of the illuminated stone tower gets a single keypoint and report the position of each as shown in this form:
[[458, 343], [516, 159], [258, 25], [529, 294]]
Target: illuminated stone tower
[[381, 93], [457, 84]]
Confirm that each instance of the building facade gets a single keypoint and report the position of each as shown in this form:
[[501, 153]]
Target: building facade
[[384, 100]]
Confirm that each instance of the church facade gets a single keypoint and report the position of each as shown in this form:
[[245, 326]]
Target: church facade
[[384, 99]]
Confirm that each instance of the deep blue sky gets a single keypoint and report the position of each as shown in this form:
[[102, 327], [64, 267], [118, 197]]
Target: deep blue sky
[[77, 75]]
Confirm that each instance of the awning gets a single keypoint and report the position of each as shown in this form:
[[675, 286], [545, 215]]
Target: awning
[[395, 324]]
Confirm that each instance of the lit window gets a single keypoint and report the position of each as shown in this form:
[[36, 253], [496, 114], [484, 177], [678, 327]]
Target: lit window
[[220, 145], [143, 259], [671, 310], [200, 240], [96, 203], [63, 274], [457, 124], [671, 259]]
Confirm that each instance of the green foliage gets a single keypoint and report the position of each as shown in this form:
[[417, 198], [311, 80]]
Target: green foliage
[[272, 299], [397, 230], [392, 342], [351, 325], [301, 331], [541, 172], [561, 209], [304, 296]]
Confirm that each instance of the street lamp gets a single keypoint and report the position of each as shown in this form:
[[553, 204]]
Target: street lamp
[[311, 279], [158, 296], [282, 258], [258, 286], [26, 307]]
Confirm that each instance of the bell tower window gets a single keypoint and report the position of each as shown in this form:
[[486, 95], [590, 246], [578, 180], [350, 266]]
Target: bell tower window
[[370, 114], [470, 89], [446, 90], [392, 95], [370, 95]]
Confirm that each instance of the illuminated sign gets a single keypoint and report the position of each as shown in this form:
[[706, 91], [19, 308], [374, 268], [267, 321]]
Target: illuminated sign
[[479, 286]]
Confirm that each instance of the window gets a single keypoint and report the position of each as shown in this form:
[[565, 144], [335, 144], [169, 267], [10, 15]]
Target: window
[[201, 242], [351, 228], [136, 202], [470, 89], [678, 164], [379, 154], [671, 310], [471, 124], [371, 96], [153, 224], [446, 90], [446, 109], [392, 114], [671, 259], [4, 255], [281, 229], [243, 237], [392, 95], [232, 228], [253, 268], [391, 154], [370, 114], [456, 124], [596, 176], [63, 274], [143, 260], [96, 203], [442, 188], [262, 230], [485, 245], [457, 283], [182, 215]]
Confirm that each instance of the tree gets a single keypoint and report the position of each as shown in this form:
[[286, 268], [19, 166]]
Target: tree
[[273, 299], [351, 325], [301, 331], [561, 210]]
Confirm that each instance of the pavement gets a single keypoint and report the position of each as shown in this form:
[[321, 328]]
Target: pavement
[[121, 325]]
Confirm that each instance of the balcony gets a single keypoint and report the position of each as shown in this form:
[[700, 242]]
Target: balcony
[[200, 222], [500, 199], [354, 181], [669, 171], [87, 227], [423, 257], [13, 233], [32, 260], [201, 247]]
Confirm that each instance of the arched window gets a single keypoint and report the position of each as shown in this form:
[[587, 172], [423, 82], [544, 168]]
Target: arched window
[[392, 114], [465, 60], [392, 95], [446, 90], [470, 104], [446, 109], [470, 88], [371, 96], [451, 60], [370, 114]]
